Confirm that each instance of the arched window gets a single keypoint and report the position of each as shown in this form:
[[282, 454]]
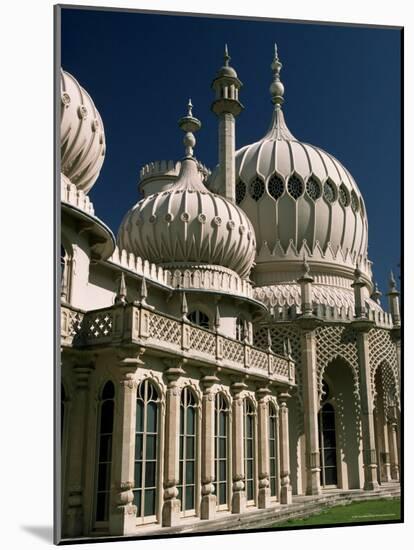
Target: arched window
[[199, 318], [104, 451], [146, 450], [249, 449], [327, 441], [221, 446], [273, 450], [188, 449], [240, 329]]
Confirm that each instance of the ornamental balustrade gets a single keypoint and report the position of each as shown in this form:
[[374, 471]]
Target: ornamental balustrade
[[333, 314], [163, 333]]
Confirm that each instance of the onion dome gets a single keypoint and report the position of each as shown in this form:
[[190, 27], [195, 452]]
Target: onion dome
[[299, 198], [82, 137], [187, 225]]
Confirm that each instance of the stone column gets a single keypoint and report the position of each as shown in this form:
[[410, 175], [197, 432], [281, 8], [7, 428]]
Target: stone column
[[393, 438], [208, 498], [382, 431], [122, 520], [171, 506], [310, 399], [238, 501], [286, 488], [263, 446], [74, 520], [367, 417]]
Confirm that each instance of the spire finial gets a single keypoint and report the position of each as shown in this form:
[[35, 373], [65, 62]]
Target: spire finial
[[189, 124], [277, 89], [121, 295], [227, 57]]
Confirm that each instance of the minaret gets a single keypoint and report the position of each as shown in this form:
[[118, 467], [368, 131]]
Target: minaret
[[227, 106]]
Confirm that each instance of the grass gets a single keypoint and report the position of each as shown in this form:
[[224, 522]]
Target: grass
[[366, 511]]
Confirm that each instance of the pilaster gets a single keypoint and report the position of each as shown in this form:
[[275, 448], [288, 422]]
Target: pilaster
[[263, 447], [122, 520], [208, 498], [171, 506], [367, 416], [74, 525], [286, 488], [238, 502]]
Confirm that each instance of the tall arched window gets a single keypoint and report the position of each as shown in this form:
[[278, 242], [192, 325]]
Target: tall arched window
[[146, 450], [188, 441], [240, 329], [104, 451], [199, 318], [327, 440], [221, 447], [249, 449], [273, 450]]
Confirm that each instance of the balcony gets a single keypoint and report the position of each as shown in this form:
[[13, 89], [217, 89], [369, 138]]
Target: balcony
[[164, 335]]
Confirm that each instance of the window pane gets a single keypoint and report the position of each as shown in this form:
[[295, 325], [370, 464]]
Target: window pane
[[107, 417], [152, 417], [190, 447], [149, 502], [250, 469], [249, 490], [189, 498], [190, 421], [222, 469], [138, 474], [103, 476], [272, 467], [138, 447], [139, 424], [330, 476], [272, 428], [137, 501], [189, 476], [222, 493], [330, 457], [249, 448], [329, 438], [105, 446], [181, 446], [328, 420], [222, 424], [150, 473], [222, 447], [272, 487], [182, 413], [151, 447], [101, 507]]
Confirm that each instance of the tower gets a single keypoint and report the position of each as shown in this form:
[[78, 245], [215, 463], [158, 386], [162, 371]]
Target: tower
[[227, 107]]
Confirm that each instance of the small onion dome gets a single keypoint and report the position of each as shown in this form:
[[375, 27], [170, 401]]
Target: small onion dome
[[189, 225], [82, 137], [296, 193]]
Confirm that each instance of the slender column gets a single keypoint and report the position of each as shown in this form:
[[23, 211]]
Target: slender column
[[171, 506], [226, 154], [393, 438], [238, 501], [310, 397], [286, 488], [74, 518], [382, 430], [208, 498], [122, 520], [367, 417], [263, 446]]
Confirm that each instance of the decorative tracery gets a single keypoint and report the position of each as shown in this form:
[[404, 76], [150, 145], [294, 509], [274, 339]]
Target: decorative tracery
[[256, 188], [275, 186]]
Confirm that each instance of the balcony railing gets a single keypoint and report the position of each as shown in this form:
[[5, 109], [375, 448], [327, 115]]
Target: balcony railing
[[137, 324]]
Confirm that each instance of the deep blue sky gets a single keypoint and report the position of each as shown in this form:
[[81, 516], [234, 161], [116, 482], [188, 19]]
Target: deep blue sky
[[342, 92]]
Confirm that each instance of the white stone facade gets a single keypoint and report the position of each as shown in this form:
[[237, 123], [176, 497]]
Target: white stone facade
[[213, 363]]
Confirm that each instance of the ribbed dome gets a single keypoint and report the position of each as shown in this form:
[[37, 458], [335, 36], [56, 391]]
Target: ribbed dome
[[295, 192], [82, 137], [189, 225]]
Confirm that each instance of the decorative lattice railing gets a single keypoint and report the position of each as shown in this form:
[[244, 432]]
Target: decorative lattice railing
[[136, 324]]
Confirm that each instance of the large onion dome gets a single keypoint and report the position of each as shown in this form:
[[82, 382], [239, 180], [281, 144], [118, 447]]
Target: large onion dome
[[187, 225], [82, 137], [300, 200]]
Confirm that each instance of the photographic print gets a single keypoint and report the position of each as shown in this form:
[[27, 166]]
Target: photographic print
[[230, 331]]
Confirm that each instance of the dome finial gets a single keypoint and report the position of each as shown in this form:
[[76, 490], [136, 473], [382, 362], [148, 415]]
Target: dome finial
[[227, 57], [189, 124], [276, 88]]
